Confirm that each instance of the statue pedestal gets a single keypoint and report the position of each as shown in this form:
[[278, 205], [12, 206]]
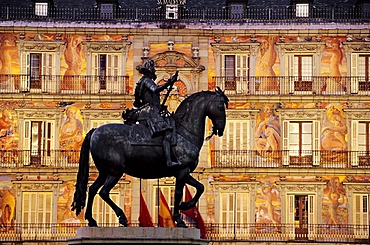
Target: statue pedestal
[[137, 235]]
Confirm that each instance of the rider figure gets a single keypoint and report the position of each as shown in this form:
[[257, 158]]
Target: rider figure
[[147, 97]]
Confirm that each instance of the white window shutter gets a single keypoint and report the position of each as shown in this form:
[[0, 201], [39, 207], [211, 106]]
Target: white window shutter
[[354, 144], [285, 142], [354, 73]]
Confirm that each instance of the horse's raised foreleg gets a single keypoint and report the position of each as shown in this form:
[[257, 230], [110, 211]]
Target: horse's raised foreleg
[[200, 189], [179, 188], [110, 182], [92, 192]]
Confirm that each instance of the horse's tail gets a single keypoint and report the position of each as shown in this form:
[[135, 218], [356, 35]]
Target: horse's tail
[[83, 175]]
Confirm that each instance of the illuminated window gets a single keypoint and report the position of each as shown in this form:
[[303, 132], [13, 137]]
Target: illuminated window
[[300, 138], [41, 9], [302, 9], [37, 207]]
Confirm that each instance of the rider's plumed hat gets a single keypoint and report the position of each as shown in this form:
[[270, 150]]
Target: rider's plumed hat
[[147, 68]]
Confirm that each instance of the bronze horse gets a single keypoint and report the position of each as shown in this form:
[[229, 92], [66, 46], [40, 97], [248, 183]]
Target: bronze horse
[[114, 153]]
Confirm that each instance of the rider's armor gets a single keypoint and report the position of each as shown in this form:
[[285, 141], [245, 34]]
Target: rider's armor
[[147, 98]]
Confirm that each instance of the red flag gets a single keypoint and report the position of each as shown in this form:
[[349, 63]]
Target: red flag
[[145, 220], [165, 216], [194, 214]]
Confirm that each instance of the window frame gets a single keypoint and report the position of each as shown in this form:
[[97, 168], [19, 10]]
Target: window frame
[[41, 9]]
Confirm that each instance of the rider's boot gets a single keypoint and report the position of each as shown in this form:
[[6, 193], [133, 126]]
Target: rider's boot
[[167, 150]]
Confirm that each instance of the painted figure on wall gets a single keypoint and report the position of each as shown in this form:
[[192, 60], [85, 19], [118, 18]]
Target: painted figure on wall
[[7, 138], [264, 66], [268, 206], [334, 202], [334, 132], [334, 82], [267, 134], [73, 56], [7, 209], [7, 49], [71, 134], [65, 215]]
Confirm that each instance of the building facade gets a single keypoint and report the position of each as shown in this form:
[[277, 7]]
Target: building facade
[[294, 160]]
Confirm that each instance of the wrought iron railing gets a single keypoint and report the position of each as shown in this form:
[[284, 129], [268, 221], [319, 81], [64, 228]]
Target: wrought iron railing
[[289, 159], [262, 85], [220, 159], [294, 85], [54, 84], [214, 232], [282, 14]]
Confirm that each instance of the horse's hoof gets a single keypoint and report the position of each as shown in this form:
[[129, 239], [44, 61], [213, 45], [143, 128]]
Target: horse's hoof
[[182, 225], [123, 221], [92, 224]]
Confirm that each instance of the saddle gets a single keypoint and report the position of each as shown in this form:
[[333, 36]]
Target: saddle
[[140, 133]]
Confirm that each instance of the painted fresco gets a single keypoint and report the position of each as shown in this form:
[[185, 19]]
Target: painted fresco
[[8, 128], [335, 202], [266, 59], [268, 203], [65, 199], [71, 134], [267, 134], [7, 204]]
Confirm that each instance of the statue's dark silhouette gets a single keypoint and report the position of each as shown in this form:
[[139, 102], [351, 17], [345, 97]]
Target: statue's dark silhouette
[[151, 112], [117, 149]]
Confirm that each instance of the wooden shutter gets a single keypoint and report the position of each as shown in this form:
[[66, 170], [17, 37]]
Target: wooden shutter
[[286, 142], [290, 225], [311, 216], [354, 73], [316, 142], [354, 145], [25, 71]]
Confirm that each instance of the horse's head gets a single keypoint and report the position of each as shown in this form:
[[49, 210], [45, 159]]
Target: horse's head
[[217, 113]]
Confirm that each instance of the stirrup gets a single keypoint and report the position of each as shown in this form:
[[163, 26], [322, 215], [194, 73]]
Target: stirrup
[[173, 164]]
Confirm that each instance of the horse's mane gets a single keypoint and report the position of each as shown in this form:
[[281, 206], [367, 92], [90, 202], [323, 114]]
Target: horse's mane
[[185, 105]]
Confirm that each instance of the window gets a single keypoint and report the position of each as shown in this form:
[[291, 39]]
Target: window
[[363, 146], [37, 207], [301, 215], [302, 73], [231, 148], [300, 138], [302, 10], [361, 214], [363, 66], [236, 10], [171, 12], [300, 143], [103, 213], [41, 9], [107, 72], [235, 72], [106, 10], [37, 140], [168, 193], [40, 70], [233, 208]]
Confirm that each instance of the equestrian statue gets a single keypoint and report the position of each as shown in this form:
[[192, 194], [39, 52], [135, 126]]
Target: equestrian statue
[[152, 143]]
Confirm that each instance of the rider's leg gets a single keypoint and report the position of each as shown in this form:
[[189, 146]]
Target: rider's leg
[[167, 149]]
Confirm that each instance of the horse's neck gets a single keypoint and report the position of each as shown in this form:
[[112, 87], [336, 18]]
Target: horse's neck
[[193, 124]]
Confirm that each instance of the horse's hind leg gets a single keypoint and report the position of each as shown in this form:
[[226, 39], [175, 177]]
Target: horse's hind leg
[[92, 192], [200, 189], [110, 182]]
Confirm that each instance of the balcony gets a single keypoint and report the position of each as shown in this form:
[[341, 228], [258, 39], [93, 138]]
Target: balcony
[[290, 159], [279, 14], [215, 232], [294, 85], [219, 159], [54, 84]]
